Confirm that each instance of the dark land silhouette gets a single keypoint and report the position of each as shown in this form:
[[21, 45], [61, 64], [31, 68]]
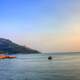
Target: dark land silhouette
[[7, 46]]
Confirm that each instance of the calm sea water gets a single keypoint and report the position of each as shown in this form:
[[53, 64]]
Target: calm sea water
[[64, 66]]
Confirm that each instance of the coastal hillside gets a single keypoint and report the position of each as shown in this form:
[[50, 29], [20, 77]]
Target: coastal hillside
[[7, 46]]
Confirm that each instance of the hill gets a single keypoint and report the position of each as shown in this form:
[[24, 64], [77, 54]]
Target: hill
[[7, 46]]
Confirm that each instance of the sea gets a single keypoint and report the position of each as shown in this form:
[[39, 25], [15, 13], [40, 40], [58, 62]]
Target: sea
[[63, 66]]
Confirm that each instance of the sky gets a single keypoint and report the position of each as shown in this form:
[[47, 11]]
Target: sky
[[45, 25]]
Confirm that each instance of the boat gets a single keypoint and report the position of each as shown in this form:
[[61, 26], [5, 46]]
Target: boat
[[6, 57], [50, 58]]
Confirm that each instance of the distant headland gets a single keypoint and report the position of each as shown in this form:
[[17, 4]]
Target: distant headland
[[7, 46]]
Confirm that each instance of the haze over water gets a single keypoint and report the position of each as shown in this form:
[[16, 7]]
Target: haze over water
[[47, 26]]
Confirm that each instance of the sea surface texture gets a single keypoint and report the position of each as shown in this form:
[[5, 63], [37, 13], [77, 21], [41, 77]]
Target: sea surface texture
[[63, 66]]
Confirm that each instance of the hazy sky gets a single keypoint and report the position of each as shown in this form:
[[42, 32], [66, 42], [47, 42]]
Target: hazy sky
[[46, 25]]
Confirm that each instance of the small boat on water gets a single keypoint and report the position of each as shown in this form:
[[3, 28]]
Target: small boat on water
[[6, 57], [50, 58]]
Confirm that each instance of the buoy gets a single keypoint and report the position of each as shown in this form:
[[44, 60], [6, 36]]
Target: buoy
[[49, 58]]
